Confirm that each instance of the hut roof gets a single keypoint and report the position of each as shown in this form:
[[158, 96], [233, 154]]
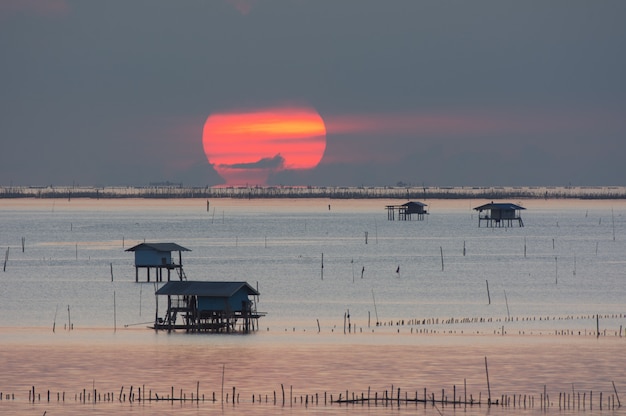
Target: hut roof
[[499, 205], [413, 203], [210, 289], [158, 247]]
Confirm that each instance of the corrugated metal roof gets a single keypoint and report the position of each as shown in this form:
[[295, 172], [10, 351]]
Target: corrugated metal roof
[[158, 247], [499, 205], [210, 289]]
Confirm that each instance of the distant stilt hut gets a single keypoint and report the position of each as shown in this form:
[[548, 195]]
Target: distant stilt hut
[[158, 256], [503, 214], [196, 306], [405, 212]]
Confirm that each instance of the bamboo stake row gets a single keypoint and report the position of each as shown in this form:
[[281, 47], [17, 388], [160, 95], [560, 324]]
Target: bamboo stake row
[[575, 400]]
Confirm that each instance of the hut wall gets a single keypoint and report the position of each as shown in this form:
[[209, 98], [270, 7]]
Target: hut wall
[[234, 303], [507, 214], [152, 258], [211, 303]]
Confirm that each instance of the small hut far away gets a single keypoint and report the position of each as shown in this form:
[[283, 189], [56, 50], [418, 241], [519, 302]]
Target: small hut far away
[[406, 211], [500, 214]]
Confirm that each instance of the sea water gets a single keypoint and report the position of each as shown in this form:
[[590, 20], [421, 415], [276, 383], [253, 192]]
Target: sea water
[[353, 301]]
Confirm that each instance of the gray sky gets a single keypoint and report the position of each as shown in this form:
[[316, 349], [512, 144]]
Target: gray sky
[[440, 93]]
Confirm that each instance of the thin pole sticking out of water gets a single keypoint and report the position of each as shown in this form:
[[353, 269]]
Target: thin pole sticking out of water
[[488, 386], [375, 310], [6, 259], [352, 262], [619, 404], [507, 306], [223, 371], [488, 295], [613, 220], [524, 247], [441, 251], [114, 314], [322, 270], [556, 270], [54, 323]]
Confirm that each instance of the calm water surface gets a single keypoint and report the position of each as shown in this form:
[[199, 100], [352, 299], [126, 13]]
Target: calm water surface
[[437, 319]]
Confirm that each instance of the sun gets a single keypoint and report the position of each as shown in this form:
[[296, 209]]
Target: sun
[[245, 147]]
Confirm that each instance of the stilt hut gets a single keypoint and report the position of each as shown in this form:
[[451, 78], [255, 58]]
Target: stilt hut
[[405, 212], [208, 307], [502, 214], [158, 256]]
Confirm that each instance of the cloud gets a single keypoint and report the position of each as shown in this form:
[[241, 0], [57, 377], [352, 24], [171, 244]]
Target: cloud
[[275, 162], [47, 8], [243, 6]]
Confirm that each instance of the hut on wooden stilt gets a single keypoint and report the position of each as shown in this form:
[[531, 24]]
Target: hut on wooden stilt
[[158, 256], [196, 306], [405, 212], [502, 214]]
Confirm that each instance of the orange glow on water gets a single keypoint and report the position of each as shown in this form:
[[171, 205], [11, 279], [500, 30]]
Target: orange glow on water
[[245, 147]]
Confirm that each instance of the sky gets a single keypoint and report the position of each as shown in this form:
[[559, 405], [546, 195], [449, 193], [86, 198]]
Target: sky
[[425, 93]]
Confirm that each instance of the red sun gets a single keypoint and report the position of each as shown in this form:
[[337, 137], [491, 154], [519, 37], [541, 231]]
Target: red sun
[[245, 147]]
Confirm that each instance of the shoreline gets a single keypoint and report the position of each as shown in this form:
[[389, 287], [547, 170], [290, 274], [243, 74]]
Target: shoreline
[[308, 192]]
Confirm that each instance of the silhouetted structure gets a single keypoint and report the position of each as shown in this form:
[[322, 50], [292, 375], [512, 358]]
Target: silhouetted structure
[[158, 256], [502, 214], [208, 307], [405, 212]]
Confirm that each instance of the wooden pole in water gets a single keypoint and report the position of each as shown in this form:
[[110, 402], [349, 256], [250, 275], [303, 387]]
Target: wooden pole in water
[[322, 270], [441, 251], [488, 386], [613, 219], [352, 263], [223, 370], [619, 404], [282, 387], [54, 323], [375, 310], [556, 270], [114, 314], [488, 295], [507, 306]]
